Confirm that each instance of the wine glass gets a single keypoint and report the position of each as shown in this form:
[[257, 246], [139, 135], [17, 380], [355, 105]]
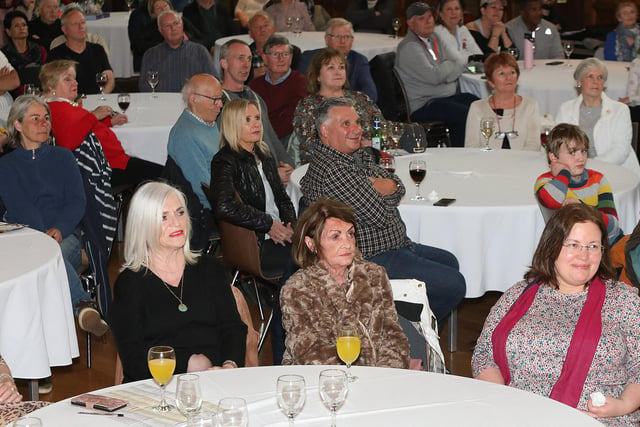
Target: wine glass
[[388, 163], [232, 412], [418, 139], [124, 100], [513, 51], [395, 23], [162, 363], [28, 421], [567, 46], [289, 22], [101, 80], [486, 130], [297, 26], [384, 134], [417, 171], [153, 78], [334, 387], [29, 89], [130, 5], [395, 131], [291, 394], [188, 396], [348, 346]]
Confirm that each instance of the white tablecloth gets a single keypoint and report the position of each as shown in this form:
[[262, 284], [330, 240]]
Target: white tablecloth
[[114, 30], [368, 44], [551, 85], [150, 120], [381, 397], [494, 226], [37, 328]]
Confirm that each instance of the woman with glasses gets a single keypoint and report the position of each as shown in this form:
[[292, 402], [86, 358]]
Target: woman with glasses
[[516, 117], [568, 331]]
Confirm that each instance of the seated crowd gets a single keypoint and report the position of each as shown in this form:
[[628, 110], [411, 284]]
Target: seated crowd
[[231, 154]]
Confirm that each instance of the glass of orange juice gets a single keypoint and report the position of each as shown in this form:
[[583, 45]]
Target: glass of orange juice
[[162, 363], [348, 346]]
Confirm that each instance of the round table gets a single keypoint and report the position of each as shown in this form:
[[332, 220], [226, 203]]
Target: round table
[[494, 226], [37, 328], [551, 85], [368, 44], [114, 29], [381, 397], [150, 120]]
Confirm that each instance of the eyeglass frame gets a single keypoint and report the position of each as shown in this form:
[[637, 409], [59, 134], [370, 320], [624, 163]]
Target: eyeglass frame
[[214, 99], [276, 55], [341, 37], [576, 248]]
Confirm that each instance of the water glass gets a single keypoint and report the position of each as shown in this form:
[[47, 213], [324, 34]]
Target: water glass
[[188, 396], [232, 412], [291, 395], [334, 387], [28, 421]]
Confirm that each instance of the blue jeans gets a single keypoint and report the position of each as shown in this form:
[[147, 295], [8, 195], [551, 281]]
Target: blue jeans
[[452, 110], [71, 247], [437, 268]]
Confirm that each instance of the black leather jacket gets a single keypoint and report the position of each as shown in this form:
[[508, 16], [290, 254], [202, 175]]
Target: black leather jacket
[[233, 172]]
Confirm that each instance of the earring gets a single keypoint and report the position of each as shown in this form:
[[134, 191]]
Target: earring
[[579, 85], [53, 92]]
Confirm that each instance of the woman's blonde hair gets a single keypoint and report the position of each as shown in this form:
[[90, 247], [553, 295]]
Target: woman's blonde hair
[[144, 225], [233, 117], [51, 72]]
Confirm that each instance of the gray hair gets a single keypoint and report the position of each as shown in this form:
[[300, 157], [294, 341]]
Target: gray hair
[[324, 109], [588, 64], [225, 48], [276, 40], [144, 225], [337, 22], [260, 14], [68, 10], [18, 112], [168, 11]]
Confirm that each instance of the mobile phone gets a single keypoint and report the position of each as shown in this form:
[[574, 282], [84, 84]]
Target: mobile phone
[[94, 401], [444, 202]]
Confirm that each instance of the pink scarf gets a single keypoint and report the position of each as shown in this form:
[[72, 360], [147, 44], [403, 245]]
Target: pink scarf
[[583, 344]]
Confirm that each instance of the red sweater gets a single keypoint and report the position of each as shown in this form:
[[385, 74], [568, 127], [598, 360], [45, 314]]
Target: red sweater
[[70, 126]]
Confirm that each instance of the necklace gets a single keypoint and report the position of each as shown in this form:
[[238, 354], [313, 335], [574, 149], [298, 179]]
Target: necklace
[[512, 132], [182, 306]]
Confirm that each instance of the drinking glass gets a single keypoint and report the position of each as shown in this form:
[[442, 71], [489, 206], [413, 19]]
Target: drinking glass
[[334, 387], [388, 163], [567, 45], [297, 26], [395, 131], [289, 22], [418, 139], [544, 134], [124, 100], [188, 396], [101, 80], [348, 346], [395, 23], [29, 89], [291, 394], [417, 171], [130, 5], [28, 421], [384, 134], [232, 412], [486, 130], [162, 363], [513, 51], [153, 78]]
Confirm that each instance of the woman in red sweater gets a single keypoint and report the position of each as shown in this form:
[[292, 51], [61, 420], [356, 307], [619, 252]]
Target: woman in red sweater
[[71, 124]]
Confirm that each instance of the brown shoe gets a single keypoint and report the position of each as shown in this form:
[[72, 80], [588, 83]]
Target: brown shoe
[[89, 319]]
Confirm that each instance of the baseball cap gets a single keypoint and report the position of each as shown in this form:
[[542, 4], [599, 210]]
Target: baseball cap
[[418, 9]]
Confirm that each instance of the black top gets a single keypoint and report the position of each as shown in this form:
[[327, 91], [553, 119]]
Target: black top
[[145, 314], [91, 61], [44, 33], [212, 24]]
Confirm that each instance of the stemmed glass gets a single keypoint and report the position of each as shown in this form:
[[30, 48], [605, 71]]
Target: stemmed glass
[[297, 26], [29, 89], [567, 46], [418, 138], [124, 100], [348, 346], [417, 171], [232, 412], [162, 363], [101, 80], [513, 51], [395, 23], [28, 421], [384, 134], [291, 394], [388, 163], [486, 130], [395, 131], [289, 22], [334, 387], [153, 78], [188, 396]]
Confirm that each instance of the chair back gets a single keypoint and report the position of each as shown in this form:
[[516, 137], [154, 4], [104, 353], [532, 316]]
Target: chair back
[[391, 99]]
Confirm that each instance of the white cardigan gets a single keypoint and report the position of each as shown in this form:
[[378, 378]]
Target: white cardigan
[[612, 132]]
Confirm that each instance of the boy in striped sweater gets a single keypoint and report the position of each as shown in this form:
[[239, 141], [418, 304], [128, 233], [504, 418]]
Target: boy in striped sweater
[[569, 181]]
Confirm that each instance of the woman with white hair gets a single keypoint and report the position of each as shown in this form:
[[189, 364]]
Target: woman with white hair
[[168, 295], [606, 122]]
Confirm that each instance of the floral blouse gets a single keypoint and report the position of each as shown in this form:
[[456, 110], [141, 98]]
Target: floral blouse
[[538, 343]]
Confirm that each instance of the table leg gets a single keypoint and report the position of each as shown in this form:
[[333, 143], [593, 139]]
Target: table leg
[[453, 331], [33, 390]]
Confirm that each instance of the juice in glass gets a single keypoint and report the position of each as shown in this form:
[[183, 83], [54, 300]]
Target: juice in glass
[[348, 349], [162, 369]]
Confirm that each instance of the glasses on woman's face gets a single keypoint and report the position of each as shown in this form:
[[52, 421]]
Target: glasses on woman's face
[[574, 248]]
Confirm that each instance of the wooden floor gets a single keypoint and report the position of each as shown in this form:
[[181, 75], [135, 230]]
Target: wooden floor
[[76, 379]]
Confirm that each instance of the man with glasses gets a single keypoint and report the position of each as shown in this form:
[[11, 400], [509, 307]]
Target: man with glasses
[[281, 87], [339, 36], [176, 60]]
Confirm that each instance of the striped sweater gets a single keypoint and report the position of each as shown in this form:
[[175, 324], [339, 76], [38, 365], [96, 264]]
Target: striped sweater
[[592, 189]]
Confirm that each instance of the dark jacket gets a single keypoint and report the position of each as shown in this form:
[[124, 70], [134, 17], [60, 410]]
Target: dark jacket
[[221, 28], [27, 66], [233, 172]]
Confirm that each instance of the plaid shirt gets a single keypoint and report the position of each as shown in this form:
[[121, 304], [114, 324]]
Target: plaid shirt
[[345, 178]]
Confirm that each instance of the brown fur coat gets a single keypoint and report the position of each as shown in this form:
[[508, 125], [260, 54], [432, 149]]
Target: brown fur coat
[[313, 305]]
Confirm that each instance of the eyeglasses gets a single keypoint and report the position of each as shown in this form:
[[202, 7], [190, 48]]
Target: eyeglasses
[[342, 38], [575, 248], [213, 99], [276, 55]]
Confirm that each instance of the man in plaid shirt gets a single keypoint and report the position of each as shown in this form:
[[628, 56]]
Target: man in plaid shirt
[[341, 171]]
